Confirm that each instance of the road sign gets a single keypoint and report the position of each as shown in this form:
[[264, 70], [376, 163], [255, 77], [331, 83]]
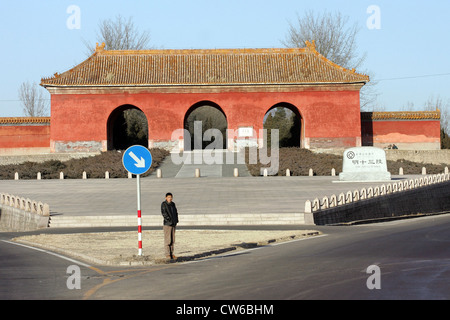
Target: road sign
[[137, 159]]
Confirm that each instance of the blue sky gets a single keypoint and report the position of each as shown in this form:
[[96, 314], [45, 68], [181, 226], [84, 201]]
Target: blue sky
[[412, 41]]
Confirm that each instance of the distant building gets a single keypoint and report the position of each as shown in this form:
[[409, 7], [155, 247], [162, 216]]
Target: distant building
[[416, 130]]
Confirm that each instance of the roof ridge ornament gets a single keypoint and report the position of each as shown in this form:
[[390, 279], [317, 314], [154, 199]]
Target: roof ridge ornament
[[311, 44], [99, 48]]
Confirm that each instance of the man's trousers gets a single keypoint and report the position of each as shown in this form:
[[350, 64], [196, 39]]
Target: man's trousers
[[169, 240]]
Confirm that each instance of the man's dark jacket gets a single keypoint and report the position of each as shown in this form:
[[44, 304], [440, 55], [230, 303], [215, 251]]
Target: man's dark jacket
[[170, 213]]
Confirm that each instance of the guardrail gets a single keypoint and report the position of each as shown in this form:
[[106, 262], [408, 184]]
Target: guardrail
[[25, 204], [372, 192]]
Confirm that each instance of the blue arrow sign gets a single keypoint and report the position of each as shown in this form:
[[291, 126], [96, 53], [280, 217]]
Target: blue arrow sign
[[137, 159]]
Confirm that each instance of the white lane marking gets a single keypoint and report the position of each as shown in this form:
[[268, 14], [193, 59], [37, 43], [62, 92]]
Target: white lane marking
[[49, 252]]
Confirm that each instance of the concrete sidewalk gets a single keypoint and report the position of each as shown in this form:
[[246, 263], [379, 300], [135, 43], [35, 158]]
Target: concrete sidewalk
[[205, 200]]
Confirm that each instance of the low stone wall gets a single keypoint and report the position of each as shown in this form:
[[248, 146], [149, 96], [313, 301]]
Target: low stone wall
[[421, 156], [20, 214], [427, 195]]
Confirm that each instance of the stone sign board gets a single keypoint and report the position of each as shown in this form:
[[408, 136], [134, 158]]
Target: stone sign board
[[364, 164]]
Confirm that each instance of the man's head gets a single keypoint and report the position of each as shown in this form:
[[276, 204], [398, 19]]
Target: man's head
[[169, 197]]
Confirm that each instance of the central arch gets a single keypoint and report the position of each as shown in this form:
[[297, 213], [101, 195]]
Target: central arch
[[212, 117], [127, 125], [287, 119]]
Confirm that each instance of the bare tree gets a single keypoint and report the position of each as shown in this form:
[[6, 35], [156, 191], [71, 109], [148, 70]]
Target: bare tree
[[433, 103], [335, 39], [436, 102], [120, 34], [34, 102]]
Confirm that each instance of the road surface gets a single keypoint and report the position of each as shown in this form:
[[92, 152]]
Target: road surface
[[413, 257]]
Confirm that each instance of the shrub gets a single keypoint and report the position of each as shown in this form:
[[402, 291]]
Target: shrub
[[94, 166], [299, 161]]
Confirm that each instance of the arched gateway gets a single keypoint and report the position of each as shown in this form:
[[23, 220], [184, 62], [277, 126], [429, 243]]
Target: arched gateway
[[127, 126], [170, 85], [200, 121], [286, 118]]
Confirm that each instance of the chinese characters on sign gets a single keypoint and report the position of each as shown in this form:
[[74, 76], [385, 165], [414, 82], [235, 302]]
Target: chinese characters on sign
[[364, 164], [364, 159]]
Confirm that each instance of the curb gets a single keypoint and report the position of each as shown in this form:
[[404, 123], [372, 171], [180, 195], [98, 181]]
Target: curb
[[228, 219], [141, 261]]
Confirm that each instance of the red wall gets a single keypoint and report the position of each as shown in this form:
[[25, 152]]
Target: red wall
[[330, 118], [20, 136], [405, 134]]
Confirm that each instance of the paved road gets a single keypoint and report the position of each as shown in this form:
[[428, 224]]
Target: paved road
[[413, 256], [209, 195], [216, 192], [29, 274], [215, 163]]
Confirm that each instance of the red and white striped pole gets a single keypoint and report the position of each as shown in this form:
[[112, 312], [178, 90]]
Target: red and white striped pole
[[138, 180]]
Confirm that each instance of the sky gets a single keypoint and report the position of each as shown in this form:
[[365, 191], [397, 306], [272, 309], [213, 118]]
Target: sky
[[406, 42]]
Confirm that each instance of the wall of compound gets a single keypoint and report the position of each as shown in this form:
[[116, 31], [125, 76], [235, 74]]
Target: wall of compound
[[19, 139], [405, 134]]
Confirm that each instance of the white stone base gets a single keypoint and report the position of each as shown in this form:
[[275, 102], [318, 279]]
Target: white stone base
[[364, 176]]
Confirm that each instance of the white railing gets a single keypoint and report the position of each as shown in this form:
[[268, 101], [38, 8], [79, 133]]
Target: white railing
[[28, 205], [372, 192]]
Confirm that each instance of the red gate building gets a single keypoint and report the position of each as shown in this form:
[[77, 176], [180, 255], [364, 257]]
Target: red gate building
[[242, 84], [166, 85]]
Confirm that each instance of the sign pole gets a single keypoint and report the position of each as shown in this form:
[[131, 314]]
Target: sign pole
[[138, 181], [137, 160]]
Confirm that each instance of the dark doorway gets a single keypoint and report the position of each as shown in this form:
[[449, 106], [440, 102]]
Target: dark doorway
[[287, 120], [127, 126], [367, 128], [208, 115]]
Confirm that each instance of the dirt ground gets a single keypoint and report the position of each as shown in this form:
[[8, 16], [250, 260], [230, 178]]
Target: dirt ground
[[121, 248]]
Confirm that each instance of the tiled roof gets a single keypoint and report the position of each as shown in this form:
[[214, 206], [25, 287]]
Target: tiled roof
[[25, 120], [205, 67], [402, 115]]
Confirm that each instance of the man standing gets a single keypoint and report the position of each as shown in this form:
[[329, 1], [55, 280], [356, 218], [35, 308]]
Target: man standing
[[170, 214]]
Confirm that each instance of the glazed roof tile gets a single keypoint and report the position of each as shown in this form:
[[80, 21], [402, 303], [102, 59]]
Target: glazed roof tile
[[24, 120], [205, 67], [401, 115]]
